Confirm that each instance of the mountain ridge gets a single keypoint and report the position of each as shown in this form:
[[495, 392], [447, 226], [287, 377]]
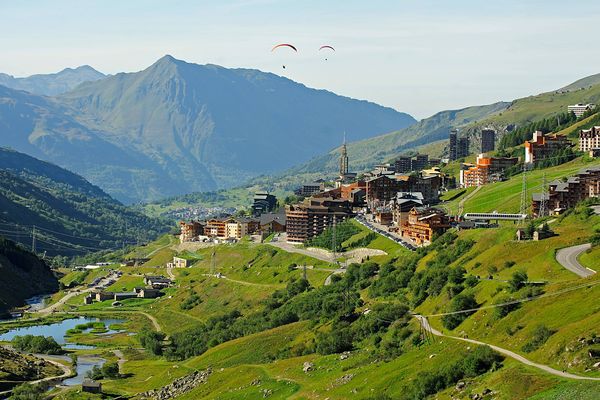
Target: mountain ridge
[[54, 83]]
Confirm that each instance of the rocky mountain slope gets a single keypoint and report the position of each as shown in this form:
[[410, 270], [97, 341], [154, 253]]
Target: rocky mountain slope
[[52, 84]]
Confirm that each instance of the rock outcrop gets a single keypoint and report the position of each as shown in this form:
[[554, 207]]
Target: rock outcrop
[[178, 386]]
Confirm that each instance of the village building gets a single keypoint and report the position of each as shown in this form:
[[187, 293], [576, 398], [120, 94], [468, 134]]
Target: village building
[[589, 139], [124, 295], [402, 204], [157, 282], [310, 218], [423, 223], [381, 189], [149, 293], [309, 189], [272, 222], [580, 109], [190, 230], [563, 195], [485, 170], [263, 202], [91, 386], [103, 296], [179, 262], [543, 146]]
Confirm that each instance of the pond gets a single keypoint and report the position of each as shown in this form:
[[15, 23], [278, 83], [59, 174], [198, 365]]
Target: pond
[[58, 330]]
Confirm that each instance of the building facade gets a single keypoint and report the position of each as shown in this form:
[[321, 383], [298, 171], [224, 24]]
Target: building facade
[[580, 109], [423, 223], [485, 170], [488, 140], [589, 139], [263, 202], [190, 230], [543, 146], [310, 218]]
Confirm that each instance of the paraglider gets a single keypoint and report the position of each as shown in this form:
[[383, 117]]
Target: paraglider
[[326, 46], [291, 46]]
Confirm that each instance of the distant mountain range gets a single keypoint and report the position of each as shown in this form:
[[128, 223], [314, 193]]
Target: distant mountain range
[[66, 214], [176, 127], [52, 84]]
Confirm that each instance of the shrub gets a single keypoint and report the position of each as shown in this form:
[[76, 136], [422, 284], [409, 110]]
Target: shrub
[[541, 334], [28, 392], [459, 303], [517, 281], [111, 370], [336, 341]]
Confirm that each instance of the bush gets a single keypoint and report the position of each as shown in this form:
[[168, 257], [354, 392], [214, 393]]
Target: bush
[[517, 281], [541, 334], [459, 303], [111, 370], [28, 392], [336, 341], [151, 340], [95, 373]]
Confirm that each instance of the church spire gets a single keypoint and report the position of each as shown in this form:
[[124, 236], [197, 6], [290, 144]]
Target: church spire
[[344, 159]]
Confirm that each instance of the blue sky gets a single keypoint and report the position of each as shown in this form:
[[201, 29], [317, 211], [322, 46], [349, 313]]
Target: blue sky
[[417, 56]]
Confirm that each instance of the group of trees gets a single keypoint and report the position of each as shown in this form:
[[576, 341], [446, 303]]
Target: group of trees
[[108, 370], [37, 344], [547, 125], [343, 231]]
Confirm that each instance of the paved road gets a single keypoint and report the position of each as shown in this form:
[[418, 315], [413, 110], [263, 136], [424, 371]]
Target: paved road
[[425, 323], [68, 296], [567, 257]]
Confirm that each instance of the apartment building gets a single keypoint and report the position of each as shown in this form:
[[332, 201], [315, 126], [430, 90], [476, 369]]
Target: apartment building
[[580, 109], [485, 170], [542, 146], [488, 140], [190, 231], [589, 139], [310, 218]]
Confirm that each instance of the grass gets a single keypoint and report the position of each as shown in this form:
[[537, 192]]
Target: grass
[[591, 259]]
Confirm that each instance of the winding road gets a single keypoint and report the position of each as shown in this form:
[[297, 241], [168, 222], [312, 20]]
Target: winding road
[[425, 324], [567, 257]]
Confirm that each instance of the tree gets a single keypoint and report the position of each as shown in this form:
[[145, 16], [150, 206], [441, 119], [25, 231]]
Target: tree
[[28, 392], [461, 302], [111, 370], [518, 280]]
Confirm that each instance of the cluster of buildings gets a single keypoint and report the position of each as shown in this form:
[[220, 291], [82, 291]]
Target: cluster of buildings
[[562, 195], [458, 146], [418, 162], [231, 228], [152, 290], [543, 146]]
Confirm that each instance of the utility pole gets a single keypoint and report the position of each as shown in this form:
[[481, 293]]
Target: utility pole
[[33, 240], [543, 201]]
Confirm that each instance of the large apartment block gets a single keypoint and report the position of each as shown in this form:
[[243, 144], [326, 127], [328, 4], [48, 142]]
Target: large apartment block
[[542, 146], [589, 139], [310, 218], [488, 140], [458, 147], [423, 223], [580, 109]]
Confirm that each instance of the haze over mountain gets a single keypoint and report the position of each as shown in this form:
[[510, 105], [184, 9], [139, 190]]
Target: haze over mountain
[[52, 84], [176, 127]]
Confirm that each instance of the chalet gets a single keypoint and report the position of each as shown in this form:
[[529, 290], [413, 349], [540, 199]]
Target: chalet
[[423, 223], [270, 223], [403, 203]]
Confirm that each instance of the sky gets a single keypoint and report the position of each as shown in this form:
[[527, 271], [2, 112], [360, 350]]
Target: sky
[[416, 56]]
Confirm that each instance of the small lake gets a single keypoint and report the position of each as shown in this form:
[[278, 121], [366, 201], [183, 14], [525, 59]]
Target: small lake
[[84, 365], [58, 330]]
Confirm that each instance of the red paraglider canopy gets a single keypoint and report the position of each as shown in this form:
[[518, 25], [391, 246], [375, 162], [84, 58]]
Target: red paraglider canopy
[[285, 45], [326, 47]]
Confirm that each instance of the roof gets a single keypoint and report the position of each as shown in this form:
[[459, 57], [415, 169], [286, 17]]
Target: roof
[[270, 217], [410, 195], [538, 196], [90, 383]]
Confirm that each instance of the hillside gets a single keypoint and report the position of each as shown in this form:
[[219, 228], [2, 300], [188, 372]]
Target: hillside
[[260, 331], [70, 215], [52, 84], [23, 275]]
